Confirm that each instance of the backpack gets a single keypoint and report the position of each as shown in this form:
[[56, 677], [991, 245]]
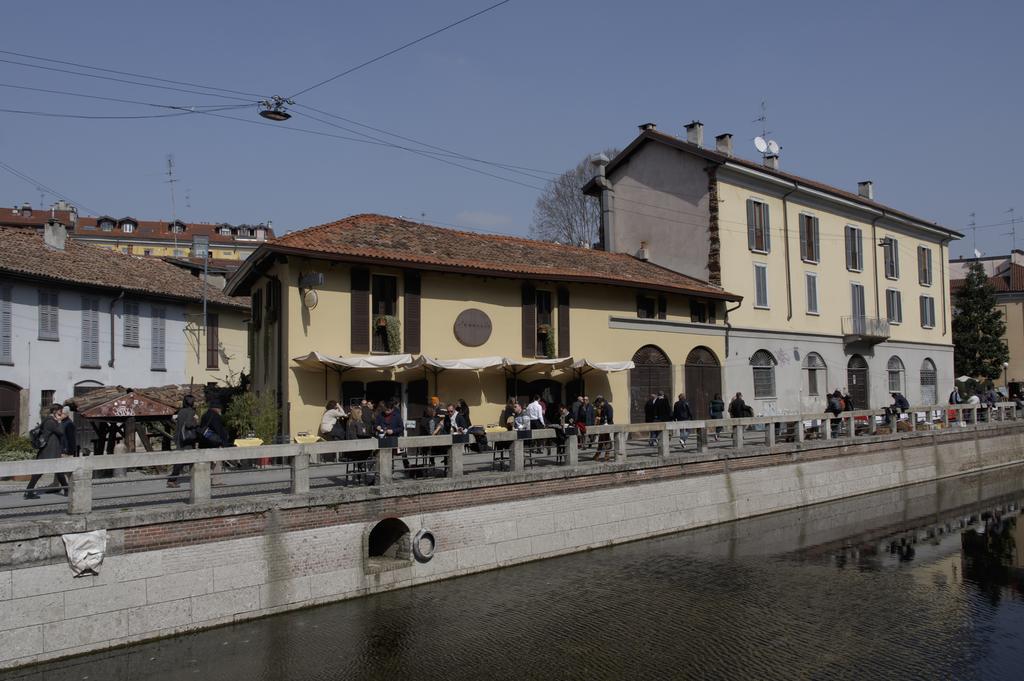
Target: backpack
[[189, 431], [37, 437]]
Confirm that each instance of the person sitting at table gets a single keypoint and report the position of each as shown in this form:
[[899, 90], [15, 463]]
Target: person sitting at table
[[518, 420], [454, 421], [389, 422], [332, 423]]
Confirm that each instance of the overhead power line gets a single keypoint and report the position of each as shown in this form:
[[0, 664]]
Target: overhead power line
[[217, 107], [31, 180], [398, 49], [52, 114]]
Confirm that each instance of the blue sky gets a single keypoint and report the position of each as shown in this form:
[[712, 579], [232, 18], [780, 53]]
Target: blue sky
[[924, 98]]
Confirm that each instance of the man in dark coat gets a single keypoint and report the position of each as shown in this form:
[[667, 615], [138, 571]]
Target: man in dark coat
[[737, 408], [681, 411], [651, 416], [53, 446]]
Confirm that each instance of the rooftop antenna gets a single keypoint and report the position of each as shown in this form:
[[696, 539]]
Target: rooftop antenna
[[188, 197], [174, 210], [1013, 227], [974, 233], [765, 146], [42, 197]]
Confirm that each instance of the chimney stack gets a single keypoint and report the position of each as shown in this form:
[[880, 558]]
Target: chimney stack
[[606, 198], [695, 133], [723, 143], [54, 234], [771, 161], [644, 127], [866, 189], [643, 253]]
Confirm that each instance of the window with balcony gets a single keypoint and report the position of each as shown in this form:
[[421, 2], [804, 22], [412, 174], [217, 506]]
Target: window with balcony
[[384, 294], [809, 239], [854, 249], [758, 227], [894, 306]]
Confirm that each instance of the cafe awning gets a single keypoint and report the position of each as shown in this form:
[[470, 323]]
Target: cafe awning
[[467, 364], [584, 365], [519, 365], [316, 360]]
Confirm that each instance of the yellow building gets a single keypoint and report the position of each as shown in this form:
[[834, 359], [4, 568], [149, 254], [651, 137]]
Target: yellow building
[[1006, 274], [426, 303], [839, 291], [217, 352]]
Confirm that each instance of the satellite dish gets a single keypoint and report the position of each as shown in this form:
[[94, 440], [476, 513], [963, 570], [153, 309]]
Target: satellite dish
[[773, 147], [761, 145]]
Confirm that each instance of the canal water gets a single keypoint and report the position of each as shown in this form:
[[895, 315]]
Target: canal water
[[918, 583]]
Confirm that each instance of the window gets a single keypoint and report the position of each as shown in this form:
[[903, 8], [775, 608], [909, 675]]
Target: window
[[763, 364], [814, 365], [929, 382], [225, 231], [896, 371], [106, 225], [854, 249], [857, 300], [891, 254], [128, 227], [48, 315], [809, 238], [131, 324], [758, 227], [212, 341], [760, 285], [147, 251], [811, 281], [46, 398], [6, 326], [384, 290], [927, 312], [702, 312], [646, 307], [924, 266], [179, 252], [158, 339], [894, 306], [90, 332], [544, 326]]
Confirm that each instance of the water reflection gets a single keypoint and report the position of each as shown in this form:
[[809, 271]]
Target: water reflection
[[921, 582]]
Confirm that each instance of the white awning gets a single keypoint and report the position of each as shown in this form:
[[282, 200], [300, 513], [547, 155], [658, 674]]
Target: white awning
[[517, 365], [315, 360], [467, 364], [607, 367]]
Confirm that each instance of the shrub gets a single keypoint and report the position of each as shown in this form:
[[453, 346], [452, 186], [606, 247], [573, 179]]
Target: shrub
[[252, 413]]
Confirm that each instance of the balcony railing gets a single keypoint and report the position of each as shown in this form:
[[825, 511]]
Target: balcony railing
[[868, 329]]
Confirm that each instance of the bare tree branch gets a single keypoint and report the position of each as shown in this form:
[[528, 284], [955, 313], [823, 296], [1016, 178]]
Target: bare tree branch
[[563, 213]]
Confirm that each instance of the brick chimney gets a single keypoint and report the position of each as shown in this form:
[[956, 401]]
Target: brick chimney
[[695, 133], [723, 143], [644, 127], [771, 161], [866, 189]]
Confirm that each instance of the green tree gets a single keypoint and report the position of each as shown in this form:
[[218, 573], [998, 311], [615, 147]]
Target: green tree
[[978, 328], [252, 413]]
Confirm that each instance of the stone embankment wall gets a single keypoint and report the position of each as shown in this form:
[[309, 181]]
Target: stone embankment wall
[[174, 570]]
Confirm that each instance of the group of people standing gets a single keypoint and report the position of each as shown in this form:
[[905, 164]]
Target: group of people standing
[[53, 438], [363, 420]]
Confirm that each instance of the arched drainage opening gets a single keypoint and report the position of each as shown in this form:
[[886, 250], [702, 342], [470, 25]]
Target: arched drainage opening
[[389, 546]]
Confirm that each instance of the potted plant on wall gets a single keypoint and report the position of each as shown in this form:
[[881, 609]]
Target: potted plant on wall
[[546, 338], [389, 326]]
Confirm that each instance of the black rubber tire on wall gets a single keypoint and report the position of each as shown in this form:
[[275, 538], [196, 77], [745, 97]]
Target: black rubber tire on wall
[[421, 555]]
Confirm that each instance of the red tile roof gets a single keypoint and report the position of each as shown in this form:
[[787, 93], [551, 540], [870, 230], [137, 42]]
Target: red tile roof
[[379, 238], [23, 253], [1009, 281], [13, 217], [159, 230], [717, 157]]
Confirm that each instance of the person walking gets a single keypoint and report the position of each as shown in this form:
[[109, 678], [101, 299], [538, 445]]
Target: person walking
[[607, 418], [213, 434], [185, 435], [716, 408], [737, 408], [681, 411], [50, 441], [651, 416], [589, 418]]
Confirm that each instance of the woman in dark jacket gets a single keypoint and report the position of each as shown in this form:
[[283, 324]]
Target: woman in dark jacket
[[185, 435], [464, 410], [53, 446], [717, 409]]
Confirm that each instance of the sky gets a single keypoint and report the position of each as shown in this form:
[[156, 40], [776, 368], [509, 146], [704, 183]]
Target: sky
[[923, 98]]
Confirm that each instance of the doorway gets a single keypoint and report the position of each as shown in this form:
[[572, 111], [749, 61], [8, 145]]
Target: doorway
[[10, 409], [652, 372], [857, 382], [703, 380]]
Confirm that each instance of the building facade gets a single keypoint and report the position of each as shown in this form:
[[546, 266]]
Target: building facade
[[470, 316], [75, 317], [1006, 275], [156, 238], [839, 291]]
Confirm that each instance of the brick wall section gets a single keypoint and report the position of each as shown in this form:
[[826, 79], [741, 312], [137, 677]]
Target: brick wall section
[[714, 238], [192, 532]]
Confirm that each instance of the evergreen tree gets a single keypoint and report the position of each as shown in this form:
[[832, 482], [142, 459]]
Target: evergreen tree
[[978, 328]]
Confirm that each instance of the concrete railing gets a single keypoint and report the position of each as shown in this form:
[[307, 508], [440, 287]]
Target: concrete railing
[[375, 459]]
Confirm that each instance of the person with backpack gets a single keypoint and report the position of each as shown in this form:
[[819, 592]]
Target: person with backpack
[[185, 434], [48, 439]]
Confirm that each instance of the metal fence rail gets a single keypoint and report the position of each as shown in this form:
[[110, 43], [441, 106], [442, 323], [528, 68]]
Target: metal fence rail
[[383, 462]]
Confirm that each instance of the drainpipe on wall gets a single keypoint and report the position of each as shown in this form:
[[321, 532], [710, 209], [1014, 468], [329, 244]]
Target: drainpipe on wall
[[874, 262], [728, 327], [112, 343], [785, 245], [943, 245]]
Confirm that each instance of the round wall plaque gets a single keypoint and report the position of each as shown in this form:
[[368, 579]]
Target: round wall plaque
[[472, 327]]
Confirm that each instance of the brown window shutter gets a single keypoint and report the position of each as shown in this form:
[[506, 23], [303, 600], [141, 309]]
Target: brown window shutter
[[360, 313], [529, 320], [662, 307], [563, 322], [412, 312], [212, 340]]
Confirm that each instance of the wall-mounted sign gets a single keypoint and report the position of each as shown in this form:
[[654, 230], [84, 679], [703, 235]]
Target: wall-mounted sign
[[472, 327]]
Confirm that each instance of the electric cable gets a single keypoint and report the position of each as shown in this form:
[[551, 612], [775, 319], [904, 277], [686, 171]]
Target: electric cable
[[28, 178]]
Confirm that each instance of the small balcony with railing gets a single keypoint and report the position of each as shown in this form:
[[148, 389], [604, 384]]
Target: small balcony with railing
[[861, 329]]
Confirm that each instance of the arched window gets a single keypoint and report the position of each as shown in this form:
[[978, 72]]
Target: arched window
[[896, 371], [929, 382], [815, 368], [763, 364]]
